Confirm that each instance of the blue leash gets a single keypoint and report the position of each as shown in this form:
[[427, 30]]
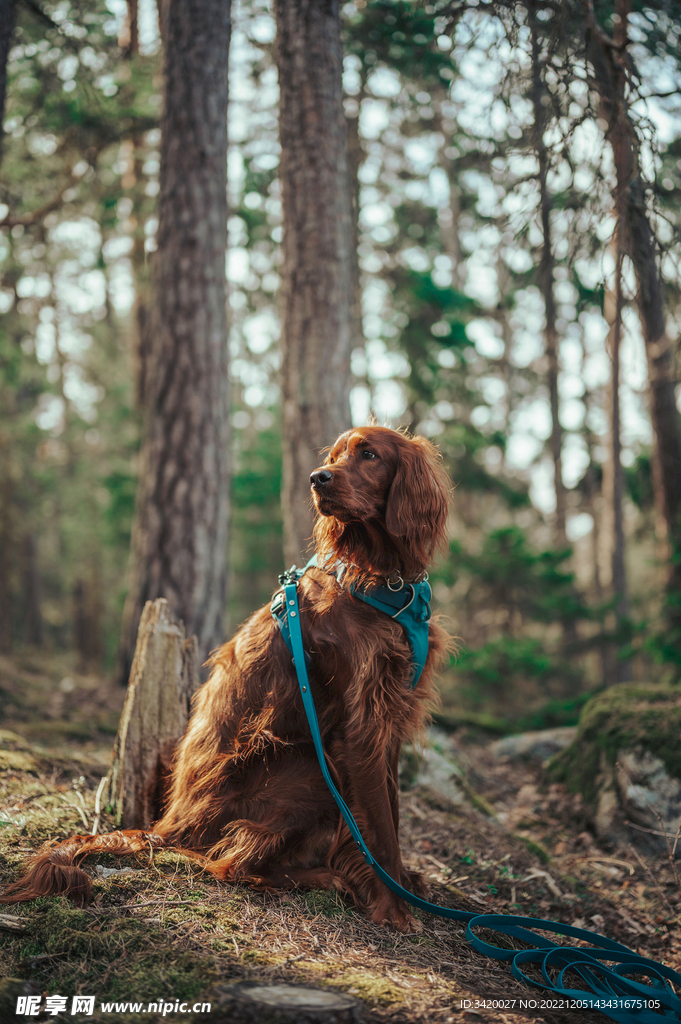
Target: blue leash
[[611, 989]]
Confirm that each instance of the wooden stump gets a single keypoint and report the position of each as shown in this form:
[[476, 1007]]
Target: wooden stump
[[163, 678], [252, 1003]]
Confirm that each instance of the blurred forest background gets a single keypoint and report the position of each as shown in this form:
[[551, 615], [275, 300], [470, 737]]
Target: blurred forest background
[[514, 173]]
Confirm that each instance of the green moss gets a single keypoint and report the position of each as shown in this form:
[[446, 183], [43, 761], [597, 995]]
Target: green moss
[[256, 956], [145, 961], [179, 863], [324, 902], [625, 716], [536, 848], [374, 988]]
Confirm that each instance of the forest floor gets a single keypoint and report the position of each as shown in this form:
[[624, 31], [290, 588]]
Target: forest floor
[[164, 931]]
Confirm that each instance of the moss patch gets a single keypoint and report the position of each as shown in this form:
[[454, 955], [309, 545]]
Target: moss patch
[[623, 717], [123, 957], [16, 760], [324, 902], [374, 988], [536, 848]]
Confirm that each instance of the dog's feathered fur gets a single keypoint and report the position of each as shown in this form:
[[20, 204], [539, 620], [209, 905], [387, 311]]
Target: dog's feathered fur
[[247, 797]]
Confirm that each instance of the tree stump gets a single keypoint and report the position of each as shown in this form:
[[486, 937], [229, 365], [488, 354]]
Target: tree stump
[[253, 1003], [163, 678]]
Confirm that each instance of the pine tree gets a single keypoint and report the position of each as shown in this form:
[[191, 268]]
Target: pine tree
[[316, 287], [180, 530]]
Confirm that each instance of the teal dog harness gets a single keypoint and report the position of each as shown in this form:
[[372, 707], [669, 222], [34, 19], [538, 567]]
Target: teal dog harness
[[407, 603], [604, 975]]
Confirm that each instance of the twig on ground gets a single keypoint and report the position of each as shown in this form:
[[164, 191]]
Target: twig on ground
[[671, 850], [76, 807], [12, 924], [549, 881], [640, 828], [655, 882], [98, 803], [613, 860]]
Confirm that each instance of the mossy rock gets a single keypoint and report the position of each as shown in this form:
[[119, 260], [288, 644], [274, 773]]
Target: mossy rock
[[637, 728]]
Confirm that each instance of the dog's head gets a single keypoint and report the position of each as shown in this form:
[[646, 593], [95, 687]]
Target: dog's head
[[382, 500]]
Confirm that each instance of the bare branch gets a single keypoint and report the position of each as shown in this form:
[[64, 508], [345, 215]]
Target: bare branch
[[603, 38], [35, 216]]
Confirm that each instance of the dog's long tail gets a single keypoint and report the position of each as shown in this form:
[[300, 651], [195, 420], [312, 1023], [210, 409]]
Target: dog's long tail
[[55, 869]]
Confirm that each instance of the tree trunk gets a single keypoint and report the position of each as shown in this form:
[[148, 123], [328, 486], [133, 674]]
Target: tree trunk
[[6, 532], [546, 278], [614, 302], [7, 16], [355, 158], [87, 619], [133, 181], [179, 534], [448, 216], [163, 679], [612, 67], [316, 321], [30, 585]]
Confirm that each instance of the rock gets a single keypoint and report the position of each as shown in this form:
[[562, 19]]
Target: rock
[[626, 762], [253, 1003], [646, 794], [540, 745], [441, 775], [103, 872]]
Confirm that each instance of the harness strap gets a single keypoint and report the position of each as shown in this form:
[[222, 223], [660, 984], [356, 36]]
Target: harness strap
[[610, 989], [409, 605]]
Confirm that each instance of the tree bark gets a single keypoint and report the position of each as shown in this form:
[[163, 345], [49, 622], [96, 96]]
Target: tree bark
[[546, 279], [612, 67], [316, 320], [7, 17], [163, 679], [180, 529], [448, 216], [614, 302], [133, 181], [355, 158], [30, 585]]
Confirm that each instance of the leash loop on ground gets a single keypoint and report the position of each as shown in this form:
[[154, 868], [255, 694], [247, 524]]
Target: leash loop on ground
[[609, 989]]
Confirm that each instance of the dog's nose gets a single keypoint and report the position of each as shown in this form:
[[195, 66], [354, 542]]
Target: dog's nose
[[320, 477]]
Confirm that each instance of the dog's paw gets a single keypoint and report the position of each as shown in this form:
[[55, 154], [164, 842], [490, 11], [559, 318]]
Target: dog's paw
[[415, 881], [396, 915]]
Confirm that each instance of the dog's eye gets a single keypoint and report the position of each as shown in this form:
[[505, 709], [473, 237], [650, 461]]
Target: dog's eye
[[366, 454]]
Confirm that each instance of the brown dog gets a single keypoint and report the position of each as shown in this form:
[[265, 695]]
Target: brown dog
[[247, 796]]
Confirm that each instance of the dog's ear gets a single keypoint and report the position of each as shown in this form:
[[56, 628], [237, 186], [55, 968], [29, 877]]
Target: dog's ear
[[418, 500]]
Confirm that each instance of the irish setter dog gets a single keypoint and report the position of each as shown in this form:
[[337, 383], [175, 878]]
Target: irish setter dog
[[247, 797]]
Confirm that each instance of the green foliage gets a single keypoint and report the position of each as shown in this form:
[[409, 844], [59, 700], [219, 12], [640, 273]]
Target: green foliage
[[510, 574], [255, 549], [526, 593]]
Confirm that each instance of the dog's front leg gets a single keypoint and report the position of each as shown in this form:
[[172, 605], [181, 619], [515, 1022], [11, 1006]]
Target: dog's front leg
[[369, 784], [413, 880]]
